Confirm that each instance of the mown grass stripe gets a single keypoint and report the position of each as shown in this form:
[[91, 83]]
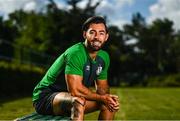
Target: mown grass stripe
[[28, 116]]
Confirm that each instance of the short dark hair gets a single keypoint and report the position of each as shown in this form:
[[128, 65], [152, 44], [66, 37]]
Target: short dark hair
[[96, 20]]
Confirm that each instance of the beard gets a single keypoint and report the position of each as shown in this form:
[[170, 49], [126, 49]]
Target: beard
[[95, 45]]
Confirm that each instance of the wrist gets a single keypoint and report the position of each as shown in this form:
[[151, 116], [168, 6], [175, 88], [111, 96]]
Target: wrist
[[102, 98]]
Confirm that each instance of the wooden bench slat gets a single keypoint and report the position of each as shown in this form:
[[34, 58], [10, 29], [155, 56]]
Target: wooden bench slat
[[28, 116], [36, 116]]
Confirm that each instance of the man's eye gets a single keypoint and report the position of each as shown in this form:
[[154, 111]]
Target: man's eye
[[91, 32], [102, 33]]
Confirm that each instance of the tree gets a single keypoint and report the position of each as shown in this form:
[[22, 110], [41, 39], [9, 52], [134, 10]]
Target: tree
[[115, 48], [136, 63], [151, 53], [162, 35], [7, 34], [51, 31]]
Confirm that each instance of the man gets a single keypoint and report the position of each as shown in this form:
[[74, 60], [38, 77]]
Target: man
[[80, 65]]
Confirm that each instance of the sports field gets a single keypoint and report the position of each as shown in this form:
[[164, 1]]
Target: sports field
[[136, 103]]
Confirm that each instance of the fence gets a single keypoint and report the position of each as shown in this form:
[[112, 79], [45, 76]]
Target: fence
[[15, 53]]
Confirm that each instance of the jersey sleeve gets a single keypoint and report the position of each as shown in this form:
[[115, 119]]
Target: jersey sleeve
[[74, 64], [104, 74]]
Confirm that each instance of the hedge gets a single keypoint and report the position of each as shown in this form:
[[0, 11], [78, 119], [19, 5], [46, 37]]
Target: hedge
[[18, 79], [170, 80]]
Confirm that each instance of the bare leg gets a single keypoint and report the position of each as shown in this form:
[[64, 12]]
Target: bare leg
[[105, 114], [72, 105], [77, 111], [62, 98], [78, 106], [91, 106]]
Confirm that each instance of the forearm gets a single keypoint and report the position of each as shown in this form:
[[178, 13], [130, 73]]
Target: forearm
[[88, 94], [103, 90], [107, 100], [77, 89]]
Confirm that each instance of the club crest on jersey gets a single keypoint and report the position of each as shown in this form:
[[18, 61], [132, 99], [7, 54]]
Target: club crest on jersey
[[99, 70], [87, 68]]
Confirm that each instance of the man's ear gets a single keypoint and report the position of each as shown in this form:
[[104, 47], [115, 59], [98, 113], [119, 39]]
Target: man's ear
[[84, 34], [107, 36]]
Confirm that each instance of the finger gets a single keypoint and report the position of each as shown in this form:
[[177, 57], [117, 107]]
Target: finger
[[114, 96], [111, 108], [111, 105], [116, 100], [114, 103], [116, 110], [116, 107], [111, 101]]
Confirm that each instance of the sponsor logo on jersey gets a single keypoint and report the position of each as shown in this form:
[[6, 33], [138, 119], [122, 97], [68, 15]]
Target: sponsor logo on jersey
[[99, 70]]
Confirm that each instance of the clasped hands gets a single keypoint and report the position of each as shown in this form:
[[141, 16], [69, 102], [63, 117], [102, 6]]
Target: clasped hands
[[111, 102]]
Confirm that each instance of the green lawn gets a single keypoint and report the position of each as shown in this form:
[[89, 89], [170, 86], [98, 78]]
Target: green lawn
[[136, 103]]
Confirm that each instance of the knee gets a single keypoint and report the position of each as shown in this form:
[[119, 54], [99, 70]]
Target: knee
[[80, 100], [78, 107], [79, 103], [105, 109]]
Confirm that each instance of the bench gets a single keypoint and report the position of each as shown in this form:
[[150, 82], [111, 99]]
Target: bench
[[36, 116]]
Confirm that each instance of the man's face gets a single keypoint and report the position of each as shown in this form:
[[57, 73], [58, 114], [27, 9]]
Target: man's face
[[95, 36]]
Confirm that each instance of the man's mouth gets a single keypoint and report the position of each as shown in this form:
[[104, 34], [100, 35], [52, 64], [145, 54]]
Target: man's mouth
[[96, 43]]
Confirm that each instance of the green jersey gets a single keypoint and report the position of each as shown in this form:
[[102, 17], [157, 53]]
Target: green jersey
[[75, 60]]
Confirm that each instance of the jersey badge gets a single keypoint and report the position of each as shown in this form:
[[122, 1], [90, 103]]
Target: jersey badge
[[99, 70], [87, 68]]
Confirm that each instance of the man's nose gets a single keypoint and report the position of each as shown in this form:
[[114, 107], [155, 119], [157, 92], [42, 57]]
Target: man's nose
[[96, 35]]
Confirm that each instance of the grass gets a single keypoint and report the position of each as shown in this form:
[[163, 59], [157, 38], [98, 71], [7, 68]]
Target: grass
[[136, 103], [11, 109]]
